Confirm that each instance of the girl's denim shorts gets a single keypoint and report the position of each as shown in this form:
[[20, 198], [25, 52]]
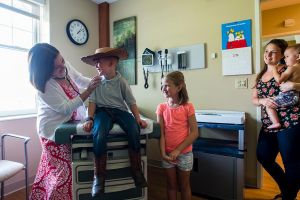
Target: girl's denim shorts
[[184, 162]]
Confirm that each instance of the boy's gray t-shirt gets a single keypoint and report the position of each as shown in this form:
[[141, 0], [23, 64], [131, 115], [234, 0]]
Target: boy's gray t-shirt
[[113, 93]]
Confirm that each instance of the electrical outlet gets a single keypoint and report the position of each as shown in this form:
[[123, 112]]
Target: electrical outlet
[[241, 83], [244, 83]]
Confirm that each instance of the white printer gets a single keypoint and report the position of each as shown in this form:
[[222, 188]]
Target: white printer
[[220, 116]]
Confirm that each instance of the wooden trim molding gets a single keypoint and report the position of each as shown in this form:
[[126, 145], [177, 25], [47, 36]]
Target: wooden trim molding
[[281, 34], [103, 9]]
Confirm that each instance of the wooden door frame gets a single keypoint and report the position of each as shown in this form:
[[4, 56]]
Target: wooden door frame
[[258, 58]]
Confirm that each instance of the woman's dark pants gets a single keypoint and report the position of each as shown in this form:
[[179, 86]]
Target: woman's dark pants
[[287, 142]]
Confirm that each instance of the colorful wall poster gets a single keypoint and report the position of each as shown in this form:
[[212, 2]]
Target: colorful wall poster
[[124, 34], [236, 34]]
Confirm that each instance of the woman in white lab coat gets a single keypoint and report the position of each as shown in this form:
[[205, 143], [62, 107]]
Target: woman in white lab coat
[[58, 101]]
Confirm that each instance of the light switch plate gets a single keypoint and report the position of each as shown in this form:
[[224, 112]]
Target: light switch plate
[[241, 83]]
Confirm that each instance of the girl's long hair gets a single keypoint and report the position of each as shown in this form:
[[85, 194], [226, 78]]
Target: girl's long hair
[[178, 79]]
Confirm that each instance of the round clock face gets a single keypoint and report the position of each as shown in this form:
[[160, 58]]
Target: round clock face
[[77, 32]]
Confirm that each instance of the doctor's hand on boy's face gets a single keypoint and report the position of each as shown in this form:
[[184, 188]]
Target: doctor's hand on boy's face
[[94, 83], [88, 125]]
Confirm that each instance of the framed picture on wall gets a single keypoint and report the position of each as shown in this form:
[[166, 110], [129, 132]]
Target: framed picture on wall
[[124, 36]]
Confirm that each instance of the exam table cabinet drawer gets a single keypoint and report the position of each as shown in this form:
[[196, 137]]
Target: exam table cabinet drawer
[[117, 192], [119, 184], [112, 154], [115, 171]]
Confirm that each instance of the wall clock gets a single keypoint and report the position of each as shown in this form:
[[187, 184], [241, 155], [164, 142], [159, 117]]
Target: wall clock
[[77, 32]]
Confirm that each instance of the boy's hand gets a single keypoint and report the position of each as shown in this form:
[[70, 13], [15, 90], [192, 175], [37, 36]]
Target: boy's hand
[[142, 123], [88, 125]]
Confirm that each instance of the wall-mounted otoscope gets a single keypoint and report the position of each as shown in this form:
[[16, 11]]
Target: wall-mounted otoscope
[[160, 58]]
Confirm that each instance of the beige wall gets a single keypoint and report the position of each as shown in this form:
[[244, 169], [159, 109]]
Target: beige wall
[[174, 23], [61, 12], [160, 24], [273, 21]]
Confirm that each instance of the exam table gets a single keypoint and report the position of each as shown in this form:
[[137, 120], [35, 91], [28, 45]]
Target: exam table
[[118, 184]]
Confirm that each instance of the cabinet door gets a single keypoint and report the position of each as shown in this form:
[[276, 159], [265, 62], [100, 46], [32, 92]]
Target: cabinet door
[[214, 175]]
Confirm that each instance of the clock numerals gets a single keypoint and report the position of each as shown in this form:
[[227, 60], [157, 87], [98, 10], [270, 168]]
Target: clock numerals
[[77, 32]]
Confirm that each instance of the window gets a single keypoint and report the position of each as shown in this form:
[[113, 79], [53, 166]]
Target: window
[[19, 28]]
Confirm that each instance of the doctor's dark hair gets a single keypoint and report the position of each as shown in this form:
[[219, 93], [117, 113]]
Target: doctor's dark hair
[[282, 45], [178, 79], [41, 58]]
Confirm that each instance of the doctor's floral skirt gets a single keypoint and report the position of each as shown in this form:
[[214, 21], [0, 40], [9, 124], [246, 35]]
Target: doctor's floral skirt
[[53, 180]]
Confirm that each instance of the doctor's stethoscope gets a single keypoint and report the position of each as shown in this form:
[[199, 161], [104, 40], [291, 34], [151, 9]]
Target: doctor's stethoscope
[[66, 77]]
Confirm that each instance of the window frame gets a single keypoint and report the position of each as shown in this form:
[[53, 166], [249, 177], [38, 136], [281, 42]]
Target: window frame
[[36, 30]]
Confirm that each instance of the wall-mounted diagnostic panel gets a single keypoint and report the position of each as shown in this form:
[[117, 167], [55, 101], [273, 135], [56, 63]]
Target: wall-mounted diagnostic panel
[[180, 58]]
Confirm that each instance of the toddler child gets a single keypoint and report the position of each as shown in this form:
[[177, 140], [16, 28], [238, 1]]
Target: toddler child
[[292, 73]]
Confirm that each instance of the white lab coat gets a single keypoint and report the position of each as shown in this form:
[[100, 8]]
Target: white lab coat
[[54, 106]]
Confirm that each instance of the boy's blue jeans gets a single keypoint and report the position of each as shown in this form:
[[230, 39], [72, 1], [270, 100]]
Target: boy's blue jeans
[[103, 122]]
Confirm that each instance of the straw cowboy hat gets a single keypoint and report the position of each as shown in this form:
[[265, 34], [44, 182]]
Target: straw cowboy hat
[[105, 52]]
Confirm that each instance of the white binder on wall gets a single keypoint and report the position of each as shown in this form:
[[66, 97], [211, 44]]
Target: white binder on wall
[[237, 61]]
